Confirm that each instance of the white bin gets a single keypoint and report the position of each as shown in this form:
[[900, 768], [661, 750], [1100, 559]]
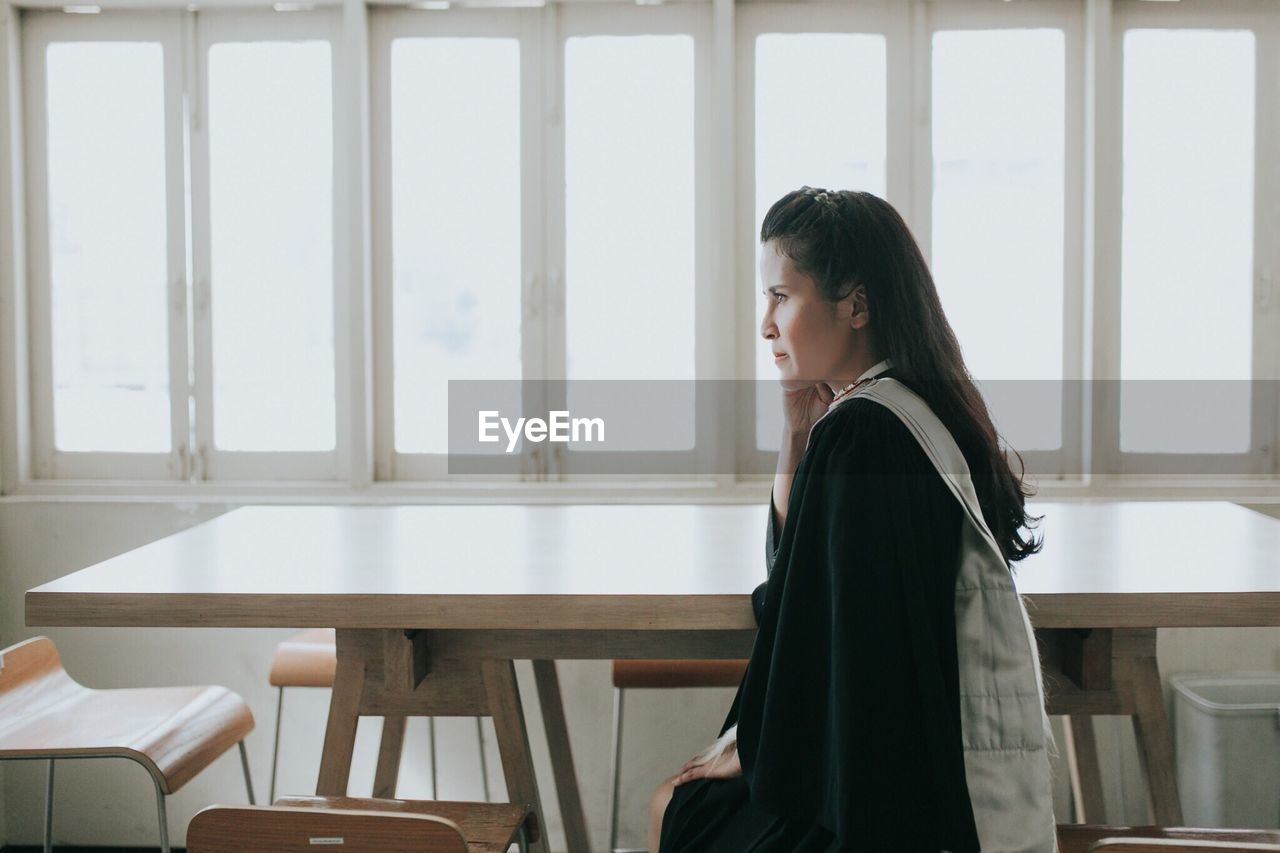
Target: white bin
[[1228, 748]]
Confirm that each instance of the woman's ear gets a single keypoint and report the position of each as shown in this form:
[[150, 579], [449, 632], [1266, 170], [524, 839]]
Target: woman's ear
[[860, 315]]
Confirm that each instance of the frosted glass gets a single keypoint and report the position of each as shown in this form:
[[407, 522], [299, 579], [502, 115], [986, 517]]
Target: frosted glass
[[629, 197], [1187, 250], [107, 249], [456, 235], [998, 211], [271, 223]]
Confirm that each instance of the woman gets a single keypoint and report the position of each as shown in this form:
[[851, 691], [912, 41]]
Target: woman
[[892, 701]]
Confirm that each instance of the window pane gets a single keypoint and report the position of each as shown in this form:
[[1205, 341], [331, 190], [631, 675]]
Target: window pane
[[107, 246], [998, 209], [271, 220], [455, 187], [1187, 251], [629, 185], [820, 120]]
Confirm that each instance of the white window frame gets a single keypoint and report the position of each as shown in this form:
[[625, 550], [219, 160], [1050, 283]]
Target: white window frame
[[908, 30], [725, 264], [225, 26], [1261, 460], [893, 21], [386, 24], [707, 460], [1064, 463], [40, 29]]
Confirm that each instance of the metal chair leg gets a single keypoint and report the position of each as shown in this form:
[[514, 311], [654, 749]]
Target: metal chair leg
[[48, 810], [524, 839], [431, 733], [275, 747], [244, 764], [484, 767], [616, 774], [164, 819]]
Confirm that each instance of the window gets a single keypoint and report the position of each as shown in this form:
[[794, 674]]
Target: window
[[107, 246], [998, 143], [1187, 250], [263, 261], [820, 120], [455, 222], [183, 234], [270, 132]]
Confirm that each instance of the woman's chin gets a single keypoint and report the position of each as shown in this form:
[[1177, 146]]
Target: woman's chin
[[791, 383]]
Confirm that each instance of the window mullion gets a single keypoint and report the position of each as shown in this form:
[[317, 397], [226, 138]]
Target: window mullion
[[35, 44], [1266, 206], [202, 330], [179, 90], [551, 299]]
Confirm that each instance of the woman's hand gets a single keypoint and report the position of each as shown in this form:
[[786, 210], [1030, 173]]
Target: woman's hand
[[803, 405], [719, 761]]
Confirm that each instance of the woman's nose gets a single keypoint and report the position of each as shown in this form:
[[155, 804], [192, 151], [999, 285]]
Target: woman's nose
[[768, 330]]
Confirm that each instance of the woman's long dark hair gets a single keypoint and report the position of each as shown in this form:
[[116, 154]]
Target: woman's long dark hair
[[843, 239]]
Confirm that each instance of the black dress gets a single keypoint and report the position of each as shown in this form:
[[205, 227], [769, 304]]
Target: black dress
[[848, 715]]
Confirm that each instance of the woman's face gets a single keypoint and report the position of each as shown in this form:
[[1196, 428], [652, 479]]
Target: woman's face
[[812, 339]]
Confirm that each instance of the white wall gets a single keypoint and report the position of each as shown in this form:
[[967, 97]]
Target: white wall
[[111, 802]]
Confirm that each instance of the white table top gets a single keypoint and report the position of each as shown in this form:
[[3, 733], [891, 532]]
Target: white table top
[[629, 567]]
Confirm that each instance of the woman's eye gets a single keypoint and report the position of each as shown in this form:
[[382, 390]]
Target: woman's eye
[[779, 297]]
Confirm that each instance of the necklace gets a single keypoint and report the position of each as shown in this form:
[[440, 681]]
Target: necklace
[[846, 390]]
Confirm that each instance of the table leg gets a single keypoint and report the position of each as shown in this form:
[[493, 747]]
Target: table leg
[[1155, 739], [344, 715], [1082, 763], [575, 825], [389, 750], [513, 741]]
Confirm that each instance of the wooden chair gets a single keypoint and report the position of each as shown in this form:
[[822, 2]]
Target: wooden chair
[[309, 659], [272, 829], [487, 827], [173, 732], [658, 674], [1153, 845], [1081, 838]]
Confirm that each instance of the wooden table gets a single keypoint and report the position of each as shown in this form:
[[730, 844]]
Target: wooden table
[[486, 585]]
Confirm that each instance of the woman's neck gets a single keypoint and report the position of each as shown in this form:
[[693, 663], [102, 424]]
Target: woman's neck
[[856, 370]]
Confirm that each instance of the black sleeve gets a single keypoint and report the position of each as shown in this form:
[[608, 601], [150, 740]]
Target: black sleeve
[[849, 712], [770, 558]]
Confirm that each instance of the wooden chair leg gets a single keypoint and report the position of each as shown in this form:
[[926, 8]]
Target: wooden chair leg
[[575, 825], [344, 715], [1086, 775], [513, 740], [389, 751]]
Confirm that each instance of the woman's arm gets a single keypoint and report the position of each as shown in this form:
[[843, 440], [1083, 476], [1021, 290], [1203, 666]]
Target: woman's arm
[[801, 408], [793, 445]]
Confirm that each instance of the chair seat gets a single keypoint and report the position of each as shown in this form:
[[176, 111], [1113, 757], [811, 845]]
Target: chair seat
[[172, 731], [259, 829], [486, 826], [1077, 838], [630, 674], [307, 659]]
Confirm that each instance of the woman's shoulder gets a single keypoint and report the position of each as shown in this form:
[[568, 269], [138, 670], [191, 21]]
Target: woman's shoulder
[[863, 434]]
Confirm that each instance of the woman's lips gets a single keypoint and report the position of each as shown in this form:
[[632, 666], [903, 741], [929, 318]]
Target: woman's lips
[[779, 356]]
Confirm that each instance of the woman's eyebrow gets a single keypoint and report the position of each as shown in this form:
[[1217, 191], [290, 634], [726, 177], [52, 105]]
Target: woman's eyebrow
[[772, 289]]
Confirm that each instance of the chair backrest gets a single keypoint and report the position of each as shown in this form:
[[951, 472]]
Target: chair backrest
[[32, 678], [1175, 845], [279, 829]]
